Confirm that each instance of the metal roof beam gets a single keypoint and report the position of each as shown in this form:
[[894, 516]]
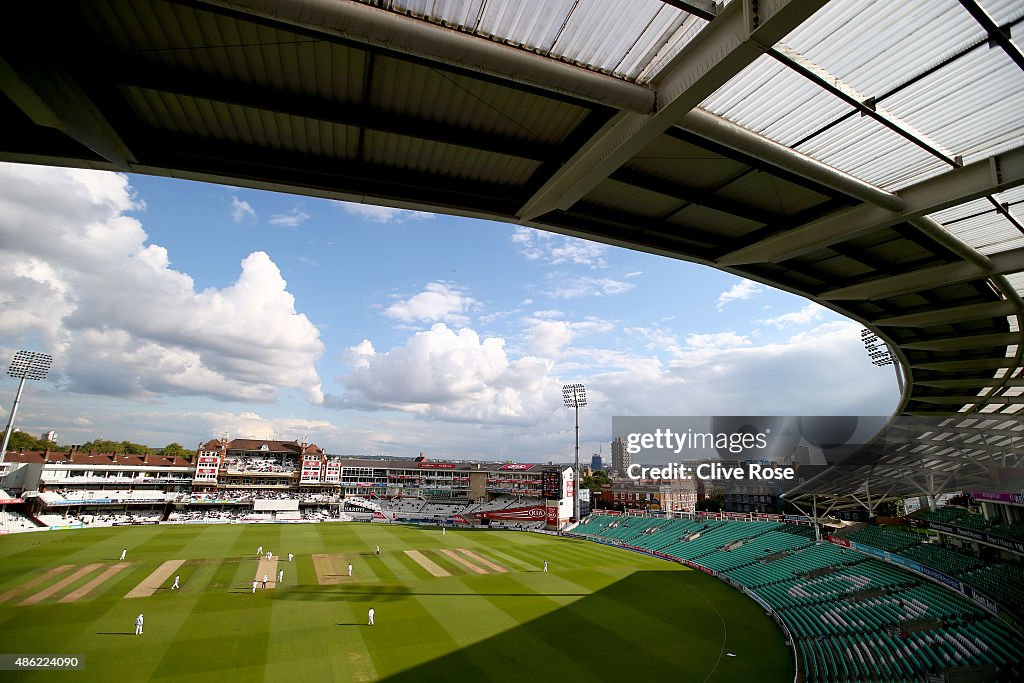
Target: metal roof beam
[[52, 98], [996, 34], [928, 278], [968, 364], [199, 86], [945, 316], [705, 9], [363, 24], [738, 36], [974, 341], [982, 178], [975, 383]]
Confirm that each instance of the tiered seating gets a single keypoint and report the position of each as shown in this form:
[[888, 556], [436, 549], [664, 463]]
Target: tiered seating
[[667, 533], [949, 561], [753, 550], [1012, 530], [945, 515], [799, 563], [839, 584], [976, 522], [1003, 582], [848, 623], [885, 538], [714, 535], [15, 521]]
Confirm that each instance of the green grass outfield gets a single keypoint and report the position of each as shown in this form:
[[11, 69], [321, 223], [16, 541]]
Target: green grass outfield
[[599, 614]]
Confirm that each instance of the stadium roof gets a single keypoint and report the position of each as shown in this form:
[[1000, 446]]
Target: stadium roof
[[866, 155]]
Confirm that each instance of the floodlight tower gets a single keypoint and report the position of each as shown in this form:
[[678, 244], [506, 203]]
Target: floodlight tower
[[880, 354], [575, 396], [26, 365]]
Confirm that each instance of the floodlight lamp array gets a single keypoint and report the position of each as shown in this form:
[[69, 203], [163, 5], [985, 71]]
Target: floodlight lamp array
[[877, 352], [574, 395], [30, 365]]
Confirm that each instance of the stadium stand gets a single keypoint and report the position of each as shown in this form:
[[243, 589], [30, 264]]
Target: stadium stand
[[852, 617]]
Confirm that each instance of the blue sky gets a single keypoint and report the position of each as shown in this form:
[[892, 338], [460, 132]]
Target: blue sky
[[179, 311]]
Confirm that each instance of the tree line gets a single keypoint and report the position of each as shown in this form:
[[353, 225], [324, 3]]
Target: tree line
[[23, 440]]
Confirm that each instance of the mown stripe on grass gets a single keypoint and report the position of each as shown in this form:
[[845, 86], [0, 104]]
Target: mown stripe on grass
[[483, 561], [84, 590], [155, 580], [455, 557], [32, 583], [425, 563], [407, 635], [59, 585]]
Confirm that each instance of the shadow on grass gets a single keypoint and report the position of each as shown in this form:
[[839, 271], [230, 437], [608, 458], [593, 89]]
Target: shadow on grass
[[115, 633], [651, 625], [388, 593]]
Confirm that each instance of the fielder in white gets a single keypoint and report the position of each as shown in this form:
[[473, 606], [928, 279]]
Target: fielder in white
[[280, 576], [175, 586], [371, 616], [138, 625], [350, 569], [545, 566], [123, 553], [259, 551], [290, 556], [254, 586]]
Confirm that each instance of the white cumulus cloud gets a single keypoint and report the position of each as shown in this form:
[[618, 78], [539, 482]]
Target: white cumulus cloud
[[384, 214], [119, 319], [240, 209], [744, 289], [438, 302]]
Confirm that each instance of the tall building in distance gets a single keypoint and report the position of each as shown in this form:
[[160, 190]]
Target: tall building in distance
[[621, 459], [49, 436], [596, 463]]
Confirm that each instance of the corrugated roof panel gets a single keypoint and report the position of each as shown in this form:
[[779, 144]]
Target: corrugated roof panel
[[873, 45], [602, 33], [415, 91], [771, 99], [989, 232], [674, 44], [867, 150], [386, 149], [631, 199], [688, 165], [622, 39], [960, 211], [769, 193], [1003, 11], [970, 106], [463, 13], [709, 220], [533, 24]]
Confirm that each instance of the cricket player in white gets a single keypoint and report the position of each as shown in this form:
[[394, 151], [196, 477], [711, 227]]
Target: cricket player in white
[[442, 531], [545, 566], [123, 553], [138, 625], [371, 616], [175, 586], [350, 569], [280, 576], [378, 550], [270, 555], [259, 551], [254, 586], [265, 579], [290, 556]]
